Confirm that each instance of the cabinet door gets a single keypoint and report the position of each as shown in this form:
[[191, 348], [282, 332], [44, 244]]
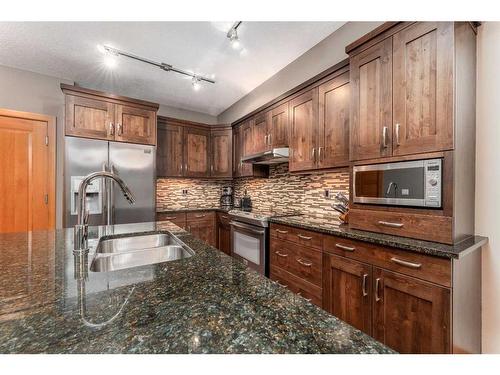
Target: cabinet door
[[135, 125], [90, 118], [203, 230], [221, 153], [236, 152], [224, 238], [304, 129], [169, 161], [334, 107], [260, 133], [196, 151], [371, 102], [278, 126], [423, 88], [246, 147], [347, 291], [410, 315]]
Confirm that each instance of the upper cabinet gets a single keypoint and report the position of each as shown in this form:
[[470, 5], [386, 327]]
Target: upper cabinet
[[98, 115], [402, 98], [278, 126], [188, 149], [260, 133], [319, 122]]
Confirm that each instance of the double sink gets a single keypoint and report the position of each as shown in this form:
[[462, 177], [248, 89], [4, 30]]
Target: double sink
[[137, 250]]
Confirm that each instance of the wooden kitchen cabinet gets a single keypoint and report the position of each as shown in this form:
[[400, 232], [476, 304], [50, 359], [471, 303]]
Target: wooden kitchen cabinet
[[423, 57], [169, 153], [333, 133], [196, 152], [371, 102], [241, 169], [135, 125], [410, 315], [99, 115], [178, 218], [260, 133], [223, 233], [221, 153], [347, 291], [201, 224], [303, 133], [278, 126]]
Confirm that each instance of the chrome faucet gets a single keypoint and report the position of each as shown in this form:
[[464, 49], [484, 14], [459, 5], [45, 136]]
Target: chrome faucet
[[81, 228]]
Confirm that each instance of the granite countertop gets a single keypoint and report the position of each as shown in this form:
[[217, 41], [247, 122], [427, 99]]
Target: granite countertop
[[208, 303], [331, 225]]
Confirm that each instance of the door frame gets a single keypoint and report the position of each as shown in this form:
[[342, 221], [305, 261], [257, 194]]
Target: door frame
[[51, 132]]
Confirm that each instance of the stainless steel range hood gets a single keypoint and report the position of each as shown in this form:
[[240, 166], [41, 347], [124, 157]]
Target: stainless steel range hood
[[274, 156]]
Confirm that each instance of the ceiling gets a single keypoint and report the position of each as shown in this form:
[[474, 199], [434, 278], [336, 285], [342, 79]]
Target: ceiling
[[68, 50]]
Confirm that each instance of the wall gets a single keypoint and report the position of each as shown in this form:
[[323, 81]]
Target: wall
[[322, 56], [21, 90], [488, 177], [183, 114], [282, 191]]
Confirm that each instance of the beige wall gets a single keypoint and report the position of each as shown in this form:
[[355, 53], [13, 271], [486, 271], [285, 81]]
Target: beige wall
[[322, 56], [183, 114], [488, 177]]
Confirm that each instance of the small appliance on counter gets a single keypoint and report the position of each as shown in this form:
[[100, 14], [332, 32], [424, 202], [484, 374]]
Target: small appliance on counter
[[226, 198], [246, 202]]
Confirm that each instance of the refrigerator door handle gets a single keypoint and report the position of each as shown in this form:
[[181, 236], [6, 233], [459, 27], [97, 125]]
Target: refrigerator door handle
[[111, 216], [104, 196]]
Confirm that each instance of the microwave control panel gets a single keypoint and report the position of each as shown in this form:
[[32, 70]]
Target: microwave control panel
[[433, 178]]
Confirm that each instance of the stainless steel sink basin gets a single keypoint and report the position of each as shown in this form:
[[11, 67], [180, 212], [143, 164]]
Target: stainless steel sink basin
[[139, 250]]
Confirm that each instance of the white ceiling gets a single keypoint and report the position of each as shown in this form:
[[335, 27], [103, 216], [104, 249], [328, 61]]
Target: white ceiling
[[68, 50]]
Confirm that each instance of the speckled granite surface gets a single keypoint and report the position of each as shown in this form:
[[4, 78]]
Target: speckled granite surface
[[335, 228], [208, 303], [192, 209]]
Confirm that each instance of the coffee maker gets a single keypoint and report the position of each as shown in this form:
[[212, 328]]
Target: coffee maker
[[226, 198]]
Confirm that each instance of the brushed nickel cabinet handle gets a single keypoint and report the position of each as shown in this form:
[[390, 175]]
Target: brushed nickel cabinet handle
[[377, 286], [199, 216], [365, 278], [281, 231], [281, 285], [307, 299], [384, 137], [111, 129], [119, 128], [397, 133], [319, 153], [269, 139], [170, 217], [281, 254], [304, 237], [344, 247], [390, 224], [405, 263], [313, 154], [305, 264], [225, 217], [265, 140]]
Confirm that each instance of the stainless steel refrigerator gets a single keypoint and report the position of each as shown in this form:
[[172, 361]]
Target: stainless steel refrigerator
[[135, 164]]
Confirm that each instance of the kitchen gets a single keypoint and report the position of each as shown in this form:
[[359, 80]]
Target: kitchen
[[333, 205]]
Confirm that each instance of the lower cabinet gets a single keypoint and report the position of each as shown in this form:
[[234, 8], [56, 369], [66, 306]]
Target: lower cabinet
[[201, 224], [178, 218], [223, 233], [402, 299]]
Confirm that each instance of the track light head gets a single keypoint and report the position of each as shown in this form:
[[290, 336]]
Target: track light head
[[195, 81], [232, 35]]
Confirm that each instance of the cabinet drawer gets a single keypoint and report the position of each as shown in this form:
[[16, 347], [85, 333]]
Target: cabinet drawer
[[301, 261], [178, 218], [307, 290], [223, 218], [424, 227], [425, 267], [200, 216], [297, 235]]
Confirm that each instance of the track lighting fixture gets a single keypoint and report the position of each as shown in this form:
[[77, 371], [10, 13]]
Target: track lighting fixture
[[232, 35], [113, 53]]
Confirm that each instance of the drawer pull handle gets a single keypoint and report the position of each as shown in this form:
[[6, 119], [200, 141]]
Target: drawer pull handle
[[281, 285], [304, 237], [305, 264], [405, 263], [392, 225], [281, 231], [307, 299], [344, 247], [199, 216], [365, 278], [281, 254], [170, 217], [225, 217], [377, 286]]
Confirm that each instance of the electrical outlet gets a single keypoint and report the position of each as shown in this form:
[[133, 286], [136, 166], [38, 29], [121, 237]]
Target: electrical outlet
[[327, 193], [184, 191]]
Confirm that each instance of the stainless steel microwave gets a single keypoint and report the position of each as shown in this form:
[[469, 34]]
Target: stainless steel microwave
[[415, 183]]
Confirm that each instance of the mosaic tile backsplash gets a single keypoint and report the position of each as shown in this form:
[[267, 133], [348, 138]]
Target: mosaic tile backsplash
[[282, 191]]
